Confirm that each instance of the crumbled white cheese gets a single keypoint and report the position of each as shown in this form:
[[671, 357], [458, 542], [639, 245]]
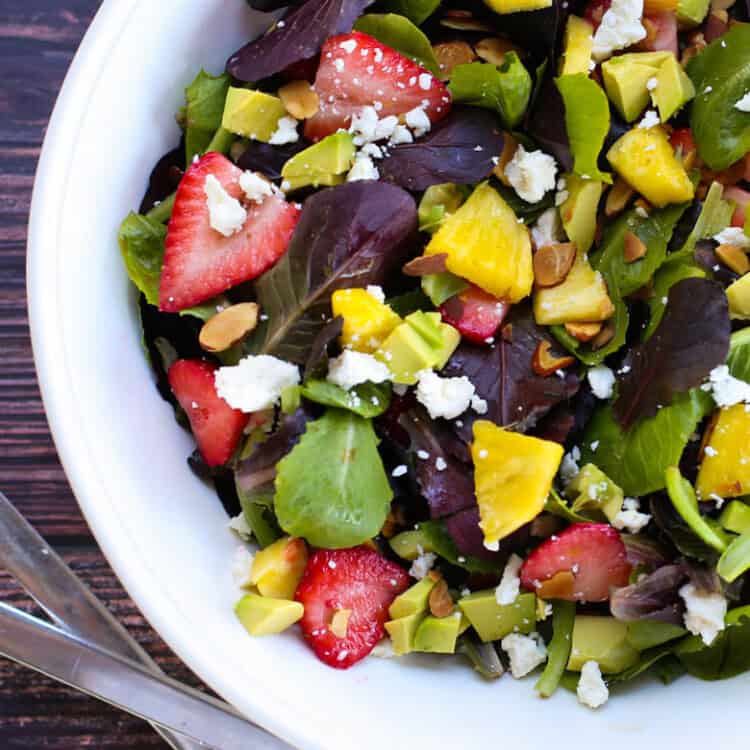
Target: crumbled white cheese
[[255, 187], [704, 613], [363, 126], [286, 132], [479, 405], [255, 382], [592, 690], [385, 127], [531, 173], [363, 169], [641, 211], [352, 368], [725, 388], [425, 81], [376, 292], [569, 467], [348, 46], [743, 104], [629, 517], [423, 563], [372, 150], [602, 381], [652, 83], [401, 134], [225, 214], [733, 236], [526, 653], [418, 121], [510, 584], [620, 27], [547, 230], [240, 526], [650, 120], [444, 397], [242, 564]]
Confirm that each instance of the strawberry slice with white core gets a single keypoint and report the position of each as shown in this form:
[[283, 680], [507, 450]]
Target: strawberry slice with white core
[[357, 71], [201, 261]]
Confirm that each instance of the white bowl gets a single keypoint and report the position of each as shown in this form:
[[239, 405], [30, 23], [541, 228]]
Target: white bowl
[[164, 533]]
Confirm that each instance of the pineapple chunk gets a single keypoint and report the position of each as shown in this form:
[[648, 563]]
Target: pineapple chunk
[[486, 245], [278, 568], [367, 321], [644, 158], [738, 294], [513, 475], [725, 468], [581, 298]]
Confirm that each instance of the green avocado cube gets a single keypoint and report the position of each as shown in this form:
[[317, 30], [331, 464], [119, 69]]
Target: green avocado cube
[[626, 78], [253, 114], [494, 621], [603, 640], [592, 488], [674, 89], [323, 163], [403, 631], [437, 635], [578, 212], [735, 517], [413, 601], [643, 634], [691, 12], [407, 544], [262, 615]]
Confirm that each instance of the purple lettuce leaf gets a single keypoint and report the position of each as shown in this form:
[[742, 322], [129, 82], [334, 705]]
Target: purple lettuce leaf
[[301, 36], [503, 376], [266, 6], [469, 538], [317, 361], [691, 339], [539, 32], [164, 178], [654, 597], [347, 236], [268, 159], [459, 149], [546, 124]]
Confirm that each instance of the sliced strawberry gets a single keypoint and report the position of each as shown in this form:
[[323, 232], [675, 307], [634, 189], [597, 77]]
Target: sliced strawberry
[[580, 564], [595, 10], [476, 314], [662, 33], [682, 141], [356, 70], [199, 262], [741, 199], [359, 580], [217, 427]]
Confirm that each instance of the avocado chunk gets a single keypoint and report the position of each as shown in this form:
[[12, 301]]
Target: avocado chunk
[[592, 488], [413, 601], [577, 46], [674, 89], [403, 631], [691, 12], [440, 287], [578, 212], [253, 114], [278, 568], [437, 635], [323, 163], [262, 615], [408, 545], [437, 204], [626, 78], [516, 6], [736, 517], [494, 621], [603, 640], [738, 294], [644, 634]]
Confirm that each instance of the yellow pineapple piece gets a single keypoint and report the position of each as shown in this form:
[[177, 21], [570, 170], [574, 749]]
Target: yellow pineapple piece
[[278, 568], [725, 468], [367, 320], [513, 475], [485, 244], [644, 158], [738, 294]]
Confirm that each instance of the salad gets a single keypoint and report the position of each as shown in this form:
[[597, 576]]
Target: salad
[[454, 299]]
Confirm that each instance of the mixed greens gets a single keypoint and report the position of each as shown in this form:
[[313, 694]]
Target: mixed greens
[[454, 298]]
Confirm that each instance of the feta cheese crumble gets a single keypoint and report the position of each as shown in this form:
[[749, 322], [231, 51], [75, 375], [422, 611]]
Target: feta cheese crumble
[[510, 584], [733, 236], [425, 81], [255, 382], [239, 525], [286, 132], [363, 169], [376, 292], [569, 467], [650, 120], [255, 187], [620, 27], [225, 214], [630, 518], [418, 121], [353, 368], [592, 690], [242, 564], [531, 174], [547, 230], [602, 381], [526, 653], [725, 388], [348, 46], [743, 104], [423, 563], [704, 613], [444, 397]]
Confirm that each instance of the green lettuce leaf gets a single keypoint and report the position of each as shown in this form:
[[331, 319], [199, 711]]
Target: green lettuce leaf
[[368, 400], [638, 459], [399, 32], [141, 243], [736, 559], [442, 543], [739, 354], [203, 111], [586, 121], [505, 89], [332, 489], [417, 11], [721, 75]]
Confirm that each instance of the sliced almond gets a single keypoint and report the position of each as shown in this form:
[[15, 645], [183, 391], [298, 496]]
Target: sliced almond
[[633, 248], [733, 257], [552, 263], [464, 23], [340, 622], [493, 49], [450, 54], [228, 327], [426, 265], [545, 363], [650, 7], [299, 99], [510, 144], [583, 331], [617, 198], [604, 336], [440, 601]]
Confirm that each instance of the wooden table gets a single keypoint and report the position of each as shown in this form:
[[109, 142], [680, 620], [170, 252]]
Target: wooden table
[[37, 42]]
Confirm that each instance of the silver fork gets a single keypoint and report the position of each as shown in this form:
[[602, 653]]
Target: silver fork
[[87, 648]]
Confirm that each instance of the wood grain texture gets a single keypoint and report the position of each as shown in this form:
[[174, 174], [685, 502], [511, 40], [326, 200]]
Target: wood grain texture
[[37, 42]]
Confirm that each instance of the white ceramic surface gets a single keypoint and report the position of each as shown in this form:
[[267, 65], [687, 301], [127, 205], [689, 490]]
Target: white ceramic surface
[[164, 532]]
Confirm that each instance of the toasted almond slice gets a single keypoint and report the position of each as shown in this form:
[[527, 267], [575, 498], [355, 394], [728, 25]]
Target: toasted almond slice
[[228, 327], [651, 7], [299, 99], [434, 575], [450, 54], [583, 331], [617, 198], [545, 363], [604, 336], [633, 248], [493, 49], [425, 265], [464, 23], [733, 257], [340, 622], [552, 263], [510, 144], [441, 603]]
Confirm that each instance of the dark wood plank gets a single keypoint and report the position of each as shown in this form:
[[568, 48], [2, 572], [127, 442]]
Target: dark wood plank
[[37, 42]]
